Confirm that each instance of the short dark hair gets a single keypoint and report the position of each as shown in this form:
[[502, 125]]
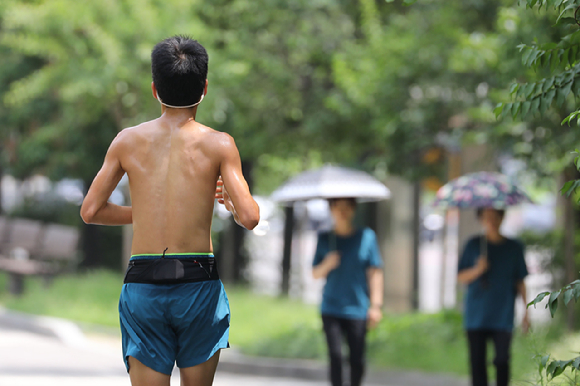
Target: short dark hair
[[179, 69], [350, 200], [479, 212]]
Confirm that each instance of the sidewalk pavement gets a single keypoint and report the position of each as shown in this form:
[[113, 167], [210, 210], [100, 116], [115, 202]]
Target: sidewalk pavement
[[49, 351]]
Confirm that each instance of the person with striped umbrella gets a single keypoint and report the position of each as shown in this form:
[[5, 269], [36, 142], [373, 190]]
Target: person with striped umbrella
[[492, 267]]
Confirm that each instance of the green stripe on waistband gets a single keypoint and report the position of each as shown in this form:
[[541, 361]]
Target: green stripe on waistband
[[174, 254]]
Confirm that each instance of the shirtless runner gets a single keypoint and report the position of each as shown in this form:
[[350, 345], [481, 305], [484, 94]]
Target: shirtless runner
[[173, 307]]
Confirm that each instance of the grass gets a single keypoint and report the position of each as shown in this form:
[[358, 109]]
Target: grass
[[93, 297], [283, 328], [90, 298]]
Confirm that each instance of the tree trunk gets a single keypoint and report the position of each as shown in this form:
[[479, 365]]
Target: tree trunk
[[571, 273], [91, 245], [287, 254], [1, 175], [416, 242]]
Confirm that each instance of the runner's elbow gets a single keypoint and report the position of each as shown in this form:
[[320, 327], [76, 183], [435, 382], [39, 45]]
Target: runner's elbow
[[250, 222], [250, 219], [88, 213]]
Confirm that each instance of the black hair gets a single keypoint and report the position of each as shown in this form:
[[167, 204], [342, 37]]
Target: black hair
[[479, 212], [179, 69], [350, 200]]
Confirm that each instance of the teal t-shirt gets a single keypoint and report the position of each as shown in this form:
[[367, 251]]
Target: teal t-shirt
[[346, 292], [490, 299]]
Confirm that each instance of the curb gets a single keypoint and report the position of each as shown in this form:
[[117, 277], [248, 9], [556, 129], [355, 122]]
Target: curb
[[232, 361]]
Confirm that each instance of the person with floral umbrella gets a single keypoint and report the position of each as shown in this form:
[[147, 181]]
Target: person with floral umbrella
[[492, 267]]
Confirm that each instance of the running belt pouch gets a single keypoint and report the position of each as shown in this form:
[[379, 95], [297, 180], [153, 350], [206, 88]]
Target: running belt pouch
[[171, 271]]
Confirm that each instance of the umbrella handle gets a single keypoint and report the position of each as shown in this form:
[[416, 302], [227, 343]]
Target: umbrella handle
[[332, 241], [483, 250]]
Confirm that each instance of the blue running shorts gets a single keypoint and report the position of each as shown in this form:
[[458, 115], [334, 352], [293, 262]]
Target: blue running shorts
[[162, 324]]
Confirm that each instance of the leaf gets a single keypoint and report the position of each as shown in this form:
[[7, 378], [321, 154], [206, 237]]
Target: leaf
[[559, 368], [535, 105], [498, 109], [568, 8], [576, 363], [548, 84], [538, 299], [550, 97], [514, 87], [566, 187], [572, 189], [551, 369], [566, 54], [570, 117], [516, 109], [568, 295], [529, 90], [526, 108], [544, 360], [566, 21], [563, 93], [526, 55], [576, 289], [506, 109], [553, 302], [554, 61], [544, 104]]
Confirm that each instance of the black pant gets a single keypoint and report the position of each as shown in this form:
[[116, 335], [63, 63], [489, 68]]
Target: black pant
[[478, 355], [355, 332]]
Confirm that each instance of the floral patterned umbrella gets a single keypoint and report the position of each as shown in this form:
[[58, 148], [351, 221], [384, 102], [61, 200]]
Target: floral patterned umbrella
[[480, 190]]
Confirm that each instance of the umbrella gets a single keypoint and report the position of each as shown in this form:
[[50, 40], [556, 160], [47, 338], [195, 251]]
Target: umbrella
[[480, 190], [331, 182]]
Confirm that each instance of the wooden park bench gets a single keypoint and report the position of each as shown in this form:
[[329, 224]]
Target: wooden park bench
[[28, 247]]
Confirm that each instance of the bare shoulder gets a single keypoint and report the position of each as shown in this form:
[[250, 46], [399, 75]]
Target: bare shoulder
[[220, 142], [128, 140], [130, 135]]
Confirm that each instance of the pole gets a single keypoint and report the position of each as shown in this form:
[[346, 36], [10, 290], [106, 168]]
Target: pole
[[287, 253], [416, 242]]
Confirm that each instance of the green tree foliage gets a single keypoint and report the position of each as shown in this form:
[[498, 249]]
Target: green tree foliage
[[352, 80], [545, 93], [92, 64]]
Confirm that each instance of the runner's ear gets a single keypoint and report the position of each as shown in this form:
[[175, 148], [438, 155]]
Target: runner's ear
[[154, 90]]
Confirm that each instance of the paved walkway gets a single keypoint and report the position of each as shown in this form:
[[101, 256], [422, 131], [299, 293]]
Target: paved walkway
[[46, 351], [29, 359]]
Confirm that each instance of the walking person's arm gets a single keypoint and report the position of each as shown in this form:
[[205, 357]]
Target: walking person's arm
[[375, 278], [96, 209], [469, 275], [233, 190], [521, 286], [330, 262]]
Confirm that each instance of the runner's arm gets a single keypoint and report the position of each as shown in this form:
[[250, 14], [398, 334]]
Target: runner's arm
[[96, 208], [245, 210]]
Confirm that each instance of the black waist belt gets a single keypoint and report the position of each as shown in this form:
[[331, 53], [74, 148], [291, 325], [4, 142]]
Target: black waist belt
[[171, 270]]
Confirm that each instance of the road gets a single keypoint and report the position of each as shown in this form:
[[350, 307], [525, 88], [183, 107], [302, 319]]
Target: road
[[28, 359]]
